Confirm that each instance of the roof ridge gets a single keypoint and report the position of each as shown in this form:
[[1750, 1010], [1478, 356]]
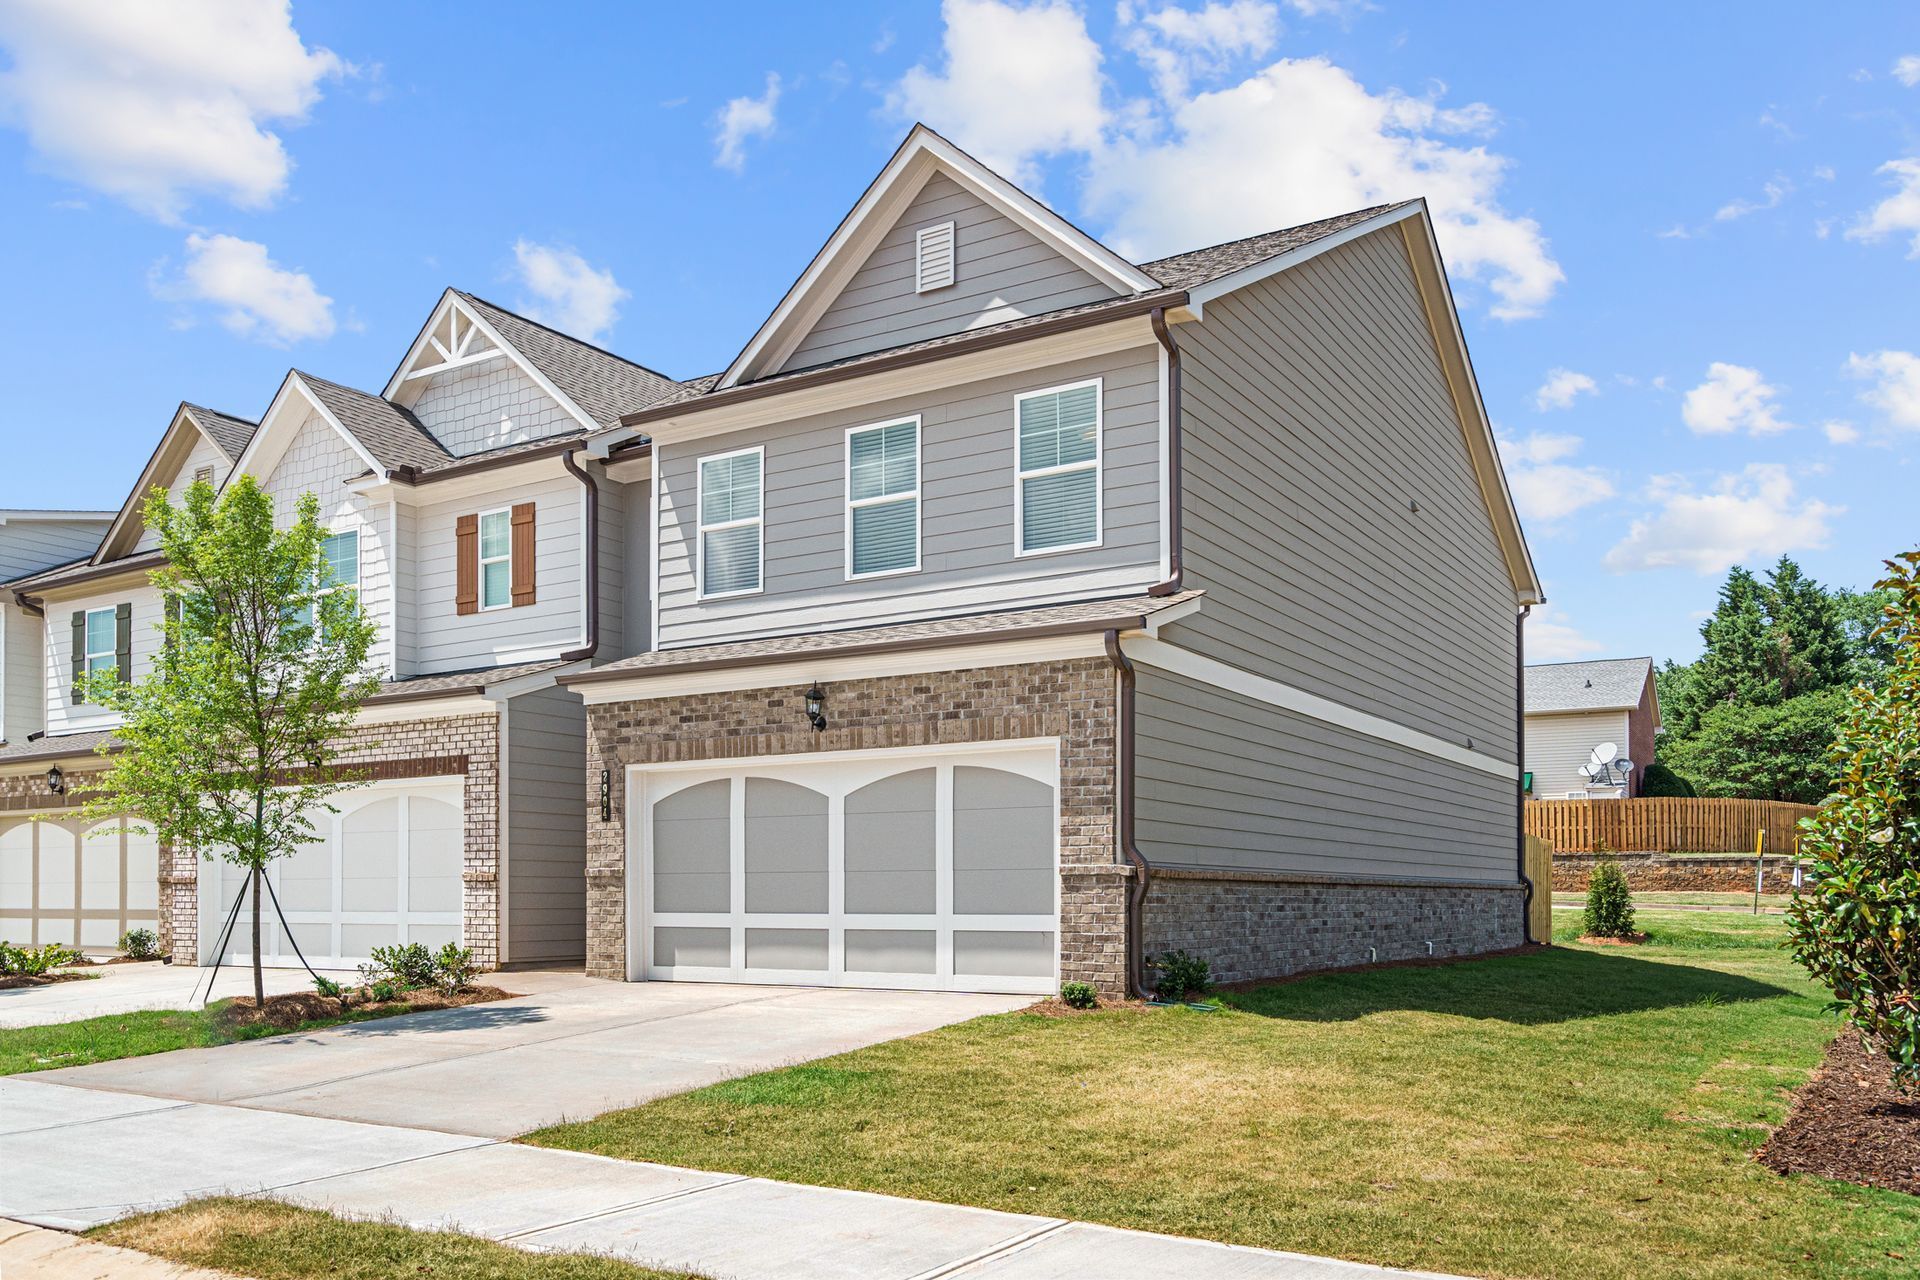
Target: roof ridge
[[1366, 210], [234, 417], [591, 346]]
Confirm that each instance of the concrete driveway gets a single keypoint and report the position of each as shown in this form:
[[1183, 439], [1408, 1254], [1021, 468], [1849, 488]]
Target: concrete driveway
[[570, 1048], [129, 988]]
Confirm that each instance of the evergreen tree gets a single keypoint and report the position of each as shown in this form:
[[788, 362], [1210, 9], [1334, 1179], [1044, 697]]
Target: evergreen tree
[[1807, 646]]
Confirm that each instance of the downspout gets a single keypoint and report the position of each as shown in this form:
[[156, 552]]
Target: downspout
[[592, 535], [1520, 778], [1158, 318], [34, 607], [1123, 806]]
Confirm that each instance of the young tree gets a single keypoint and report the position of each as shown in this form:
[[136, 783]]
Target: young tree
[[229, 739], [1857, 926]]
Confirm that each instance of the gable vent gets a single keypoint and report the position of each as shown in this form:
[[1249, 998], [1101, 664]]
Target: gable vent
[[933, 258]]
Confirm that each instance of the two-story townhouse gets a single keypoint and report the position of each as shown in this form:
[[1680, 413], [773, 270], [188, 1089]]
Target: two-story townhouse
[[31, 541], [1021, 610], [492, 560]]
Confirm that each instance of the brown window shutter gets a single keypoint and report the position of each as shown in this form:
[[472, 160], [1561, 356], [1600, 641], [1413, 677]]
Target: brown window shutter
[[466, 564], [522, 554]]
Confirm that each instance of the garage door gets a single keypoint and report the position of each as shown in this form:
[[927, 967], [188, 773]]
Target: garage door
[[77, 883], [885, 869], [385, 870]]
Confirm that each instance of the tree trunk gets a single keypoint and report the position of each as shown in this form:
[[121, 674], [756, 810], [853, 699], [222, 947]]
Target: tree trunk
[[259, 978]]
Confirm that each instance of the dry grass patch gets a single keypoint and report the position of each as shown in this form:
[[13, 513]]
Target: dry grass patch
[[271, 1241]]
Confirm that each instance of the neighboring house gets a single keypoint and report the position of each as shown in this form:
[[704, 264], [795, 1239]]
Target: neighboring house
[[492, 560], [1574, 708], [1021, 609]]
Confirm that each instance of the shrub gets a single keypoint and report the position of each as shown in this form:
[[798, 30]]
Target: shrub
[[453, 968], [385, 990], [34, 962], [327, 987], [1856, 925], [140, 944], [1658, 780], [1079, 995], [1181, 975], [1609, 902], [410, 966]]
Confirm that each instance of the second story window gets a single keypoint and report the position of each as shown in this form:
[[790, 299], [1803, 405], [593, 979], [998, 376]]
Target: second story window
[[102, 651], [339, 571], [1057, 460], [102, 645], [496, 559], [730, 523], [883, 499]]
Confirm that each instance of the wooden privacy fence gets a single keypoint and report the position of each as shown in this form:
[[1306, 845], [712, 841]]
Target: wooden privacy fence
[[1666, 825], [1540, 871]]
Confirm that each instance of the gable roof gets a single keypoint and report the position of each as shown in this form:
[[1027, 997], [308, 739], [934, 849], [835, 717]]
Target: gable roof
[[228, 433], [1607, 684], [603, 384], [918, 158], [384, 429]]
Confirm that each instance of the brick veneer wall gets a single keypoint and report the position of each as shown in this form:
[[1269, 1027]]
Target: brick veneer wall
[[1250, 925], [1072, 700]]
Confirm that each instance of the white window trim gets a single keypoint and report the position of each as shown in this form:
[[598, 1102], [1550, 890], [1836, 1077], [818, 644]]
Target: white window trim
[[113, 642], [919, 527], [953, 249], [1097, 465], [702, 528], [482, 560]]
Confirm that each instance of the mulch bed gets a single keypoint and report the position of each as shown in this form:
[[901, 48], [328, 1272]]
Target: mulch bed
[[1850, 1123], [13, 981], [297, 1007], [1055, 1007]]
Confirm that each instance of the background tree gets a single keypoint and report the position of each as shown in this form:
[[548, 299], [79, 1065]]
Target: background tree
[[1856, 927], [230, 737]]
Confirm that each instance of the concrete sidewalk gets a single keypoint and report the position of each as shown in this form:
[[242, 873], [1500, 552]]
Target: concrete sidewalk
[[35, 1253], [131, 988], [95, 1156]]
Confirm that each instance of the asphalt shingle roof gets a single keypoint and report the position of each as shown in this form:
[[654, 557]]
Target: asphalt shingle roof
[[389, 432], [1608, 684], [229, 433], [601, 383], [67, 744]]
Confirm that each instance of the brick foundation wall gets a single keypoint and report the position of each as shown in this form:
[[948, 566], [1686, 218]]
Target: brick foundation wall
[[1251, 926], [1072, 700], [1663, 873]]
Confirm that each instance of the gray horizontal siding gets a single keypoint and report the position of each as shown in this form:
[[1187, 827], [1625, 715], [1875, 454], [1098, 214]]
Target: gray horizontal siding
[[546, 827], [1315, 416], [28, 546], [967, 524], [1002, 272], [1227, 781]]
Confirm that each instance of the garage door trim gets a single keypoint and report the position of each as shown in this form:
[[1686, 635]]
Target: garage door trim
[[840, 773]]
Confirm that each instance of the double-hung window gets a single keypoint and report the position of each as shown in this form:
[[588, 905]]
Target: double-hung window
[[883, 499], [339, 571], [1057, 460], [102, 656], [731, 523], [496, 559]]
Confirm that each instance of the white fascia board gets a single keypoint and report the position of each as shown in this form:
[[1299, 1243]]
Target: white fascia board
[[527, 367], [786, 670], [427, 709], [132, 507], [37, 516], [293, 386], [918, 158], [1200, 295], [1150, 652]]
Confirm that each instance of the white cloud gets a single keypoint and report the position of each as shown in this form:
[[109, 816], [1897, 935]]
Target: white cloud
[[1547, 488], [1178, 45], [1560, 389], [1896, 384], [1551, 638], [1907, 70], [1747, 516], [155, 103], [1299, 140], [1899, 213], [262, 299], [1020, 82], [1733, 398], [1840, 431], [565, 291], [741, 119], [1772, 193]]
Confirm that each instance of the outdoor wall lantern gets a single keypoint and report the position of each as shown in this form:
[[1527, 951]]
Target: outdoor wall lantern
[[56, 781], [816, 700]]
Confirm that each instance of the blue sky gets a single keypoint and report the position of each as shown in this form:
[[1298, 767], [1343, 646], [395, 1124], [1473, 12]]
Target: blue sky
[[1687, 247]]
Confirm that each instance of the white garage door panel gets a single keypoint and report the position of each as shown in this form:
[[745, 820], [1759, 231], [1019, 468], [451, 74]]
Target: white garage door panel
[[75, 883], [901, 869], [385, 870]]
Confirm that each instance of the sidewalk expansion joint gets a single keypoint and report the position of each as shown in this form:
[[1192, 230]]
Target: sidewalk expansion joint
[[1005, 1247], [649, 1201]]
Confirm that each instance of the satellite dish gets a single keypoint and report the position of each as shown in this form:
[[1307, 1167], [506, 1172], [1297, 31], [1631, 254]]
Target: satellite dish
[[1623, 764], [1587, 770], [1605, 753]]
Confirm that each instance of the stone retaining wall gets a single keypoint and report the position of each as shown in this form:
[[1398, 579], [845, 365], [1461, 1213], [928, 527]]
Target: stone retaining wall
[[1666, 873]]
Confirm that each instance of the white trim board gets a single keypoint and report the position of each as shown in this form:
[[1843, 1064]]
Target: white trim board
[[1149, 652]]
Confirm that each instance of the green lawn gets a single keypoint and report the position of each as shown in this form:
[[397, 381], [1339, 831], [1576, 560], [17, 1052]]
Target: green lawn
[[278, 1242], [1683, 899], [134, 1035], [1585, 1113]]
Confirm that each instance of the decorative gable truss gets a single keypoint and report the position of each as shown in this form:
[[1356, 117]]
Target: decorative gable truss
[[453, 340]]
